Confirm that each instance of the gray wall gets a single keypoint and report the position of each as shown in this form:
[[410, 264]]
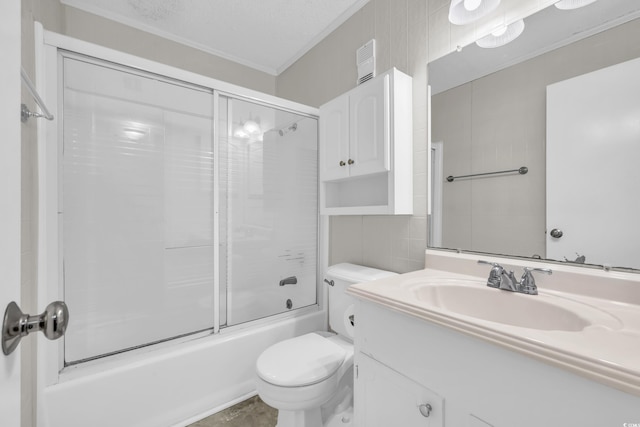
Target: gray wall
[[408, 34], [394, 243]]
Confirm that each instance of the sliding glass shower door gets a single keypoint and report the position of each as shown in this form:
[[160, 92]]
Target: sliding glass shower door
[[167, 229], [268, 210], [137, 208]]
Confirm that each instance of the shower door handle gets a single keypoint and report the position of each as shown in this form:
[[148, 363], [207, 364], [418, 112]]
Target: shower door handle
[[289, 281], [52, 322]]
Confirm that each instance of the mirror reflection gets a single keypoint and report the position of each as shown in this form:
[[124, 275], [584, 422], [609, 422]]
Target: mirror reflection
[[563, 101]]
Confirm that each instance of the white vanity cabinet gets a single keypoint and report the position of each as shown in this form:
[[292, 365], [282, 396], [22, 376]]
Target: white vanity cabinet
[[403, 361], [408, 403], [366, 148]]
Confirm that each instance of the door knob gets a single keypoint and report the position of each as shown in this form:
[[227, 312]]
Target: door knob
[[52, 322], [425, 409], [556, 233]]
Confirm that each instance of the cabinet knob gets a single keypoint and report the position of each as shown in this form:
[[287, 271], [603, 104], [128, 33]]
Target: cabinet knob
[[351, 161], [342, 163], [425, 409]]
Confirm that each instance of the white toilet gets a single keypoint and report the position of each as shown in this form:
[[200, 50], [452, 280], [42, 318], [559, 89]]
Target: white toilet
[[309, 379]]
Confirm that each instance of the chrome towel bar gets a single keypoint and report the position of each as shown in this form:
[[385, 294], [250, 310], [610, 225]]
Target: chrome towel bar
[[523, 170]]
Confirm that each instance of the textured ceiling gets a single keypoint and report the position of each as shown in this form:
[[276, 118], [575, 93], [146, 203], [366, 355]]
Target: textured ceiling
[[268, 35]]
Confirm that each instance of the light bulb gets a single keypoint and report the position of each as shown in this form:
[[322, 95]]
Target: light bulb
[[472, 5], [251, 127], [240, 133]]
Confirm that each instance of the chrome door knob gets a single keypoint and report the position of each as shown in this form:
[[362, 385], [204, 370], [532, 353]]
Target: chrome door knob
[[556, 233], [425, 409], [52, 322]]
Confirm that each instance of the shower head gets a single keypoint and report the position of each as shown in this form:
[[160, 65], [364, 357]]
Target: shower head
[[286, 130]]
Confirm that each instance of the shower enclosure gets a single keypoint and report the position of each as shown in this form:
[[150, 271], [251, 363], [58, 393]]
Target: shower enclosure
[[177, 218], [183, 210]]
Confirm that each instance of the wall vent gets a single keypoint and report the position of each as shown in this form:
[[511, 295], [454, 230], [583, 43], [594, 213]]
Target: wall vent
[[366, 61]]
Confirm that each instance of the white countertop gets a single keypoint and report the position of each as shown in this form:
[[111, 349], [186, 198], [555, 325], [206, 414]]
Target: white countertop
[[607, 352]]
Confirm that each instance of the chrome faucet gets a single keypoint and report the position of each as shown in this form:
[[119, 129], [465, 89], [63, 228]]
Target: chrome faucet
[[506, 280]]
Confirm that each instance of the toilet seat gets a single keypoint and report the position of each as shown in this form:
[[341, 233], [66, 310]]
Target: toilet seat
[[300, 361]]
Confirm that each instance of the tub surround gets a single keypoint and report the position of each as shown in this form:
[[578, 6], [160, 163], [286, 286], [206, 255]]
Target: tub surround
[[605, 351]]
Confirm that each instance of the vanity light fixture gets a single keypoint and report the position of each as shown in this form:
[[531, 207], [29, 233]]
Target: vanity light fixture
[[502, 35], [572, 4], [463, 12]]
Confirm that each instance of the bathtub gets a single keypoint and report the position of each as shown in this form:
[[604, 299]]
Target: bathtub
[[172, 386]]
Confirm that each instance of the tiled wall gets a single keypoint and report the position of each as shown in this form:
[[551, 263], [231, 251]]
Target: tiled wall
[[400, 30], [408, 34]]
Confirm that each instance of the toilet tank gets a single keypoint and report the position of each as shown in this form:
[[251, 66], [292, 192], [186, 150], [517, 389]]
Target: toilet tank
[[340, 304]]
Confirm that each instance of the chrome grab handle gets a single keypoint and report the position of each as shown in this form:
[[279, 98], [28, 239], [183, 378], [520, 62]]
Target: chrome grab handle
[[289, 281], [52, 322]]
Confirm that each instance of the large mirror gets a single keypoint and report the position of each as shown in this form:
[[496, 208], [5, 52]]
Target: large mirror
[[535, 145]]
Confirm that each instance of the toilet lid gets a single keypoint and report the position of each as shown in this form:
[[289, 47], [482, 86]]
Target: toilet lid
[[304, 360]]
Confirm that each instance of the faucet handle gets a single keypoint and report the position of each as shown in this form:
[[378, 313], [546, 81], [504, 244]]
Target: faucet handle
[[495, 275], [528, 283]]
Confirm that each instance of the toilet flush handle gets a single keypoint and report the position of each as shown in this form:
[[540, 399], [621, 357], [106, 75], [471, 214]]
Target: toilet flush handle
[[329, 282]]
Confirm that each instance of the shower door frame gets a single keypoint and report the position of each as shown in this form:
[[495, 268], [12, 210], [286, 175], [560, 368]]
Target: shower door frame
[[50, 358]]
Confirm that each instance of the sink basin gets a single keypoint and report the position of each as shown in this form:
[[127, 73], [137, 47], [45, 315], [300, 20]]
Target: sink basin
[[544, 312]]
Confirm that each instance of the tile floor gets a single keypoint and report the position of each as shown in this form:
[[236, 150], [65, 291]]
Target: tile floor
[[252, 412]]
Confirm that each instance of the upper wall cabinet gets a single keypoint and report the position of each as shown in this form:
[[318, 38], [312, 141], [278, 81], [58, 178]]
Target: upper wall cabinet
[[366, 149]]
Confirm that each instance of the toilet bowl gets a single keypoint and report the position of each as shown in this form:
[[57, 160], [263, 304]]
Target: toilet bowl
[[309, 378]]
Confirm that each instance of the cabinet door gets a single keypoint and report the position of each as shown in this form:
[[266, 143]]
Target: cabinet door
[[334, 139], [385, 398], [369, 130]]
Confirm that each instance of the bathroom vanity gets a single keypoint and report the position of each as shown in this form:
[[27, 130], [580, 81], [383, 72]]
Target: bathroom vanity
[[436, 347]]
